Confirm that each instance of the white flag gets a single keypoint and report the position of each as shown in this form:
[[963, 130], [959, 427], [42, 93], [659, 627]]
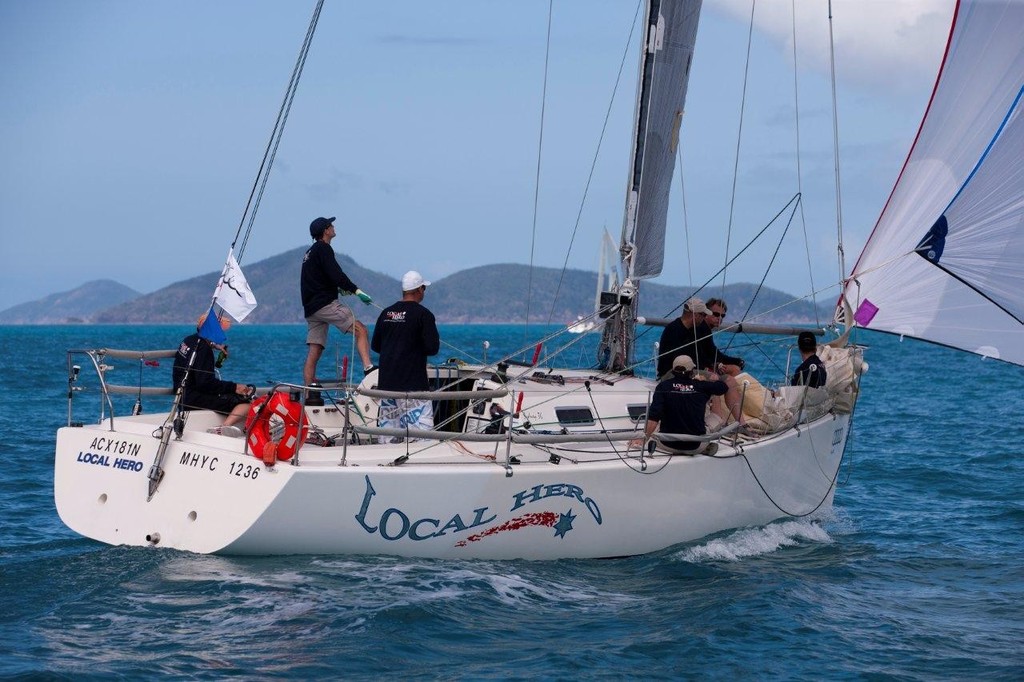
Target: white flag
[[233, 293]]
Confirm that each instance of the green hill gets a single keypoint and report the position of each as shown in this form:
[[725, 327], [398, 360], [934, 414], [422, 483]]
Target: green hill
[[70, 307], [484, 294]]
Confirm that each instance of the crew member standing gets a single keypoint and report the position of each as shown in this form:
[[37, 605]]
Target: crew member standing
[[321, 281], [405, 336], [680, 338]]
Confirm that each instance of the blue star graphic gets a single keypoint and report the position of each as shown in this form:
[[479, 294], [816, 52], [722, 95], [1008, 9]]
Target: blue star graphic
[[564, 524]]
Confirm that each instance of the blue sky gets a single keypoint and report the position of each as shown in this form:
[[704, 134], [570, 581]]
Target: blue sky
[[132, 132]]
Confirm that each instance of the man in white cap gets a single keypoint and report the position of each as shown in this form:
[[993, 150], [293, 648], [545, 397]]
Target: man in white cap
[[678, 407], [688, 335], [405, 336], [680, 338]]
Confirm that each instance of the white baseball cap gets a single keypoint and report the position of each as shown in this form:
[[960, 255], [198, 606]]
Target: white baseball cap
[[695, 305], [683, 363], [413, 280]]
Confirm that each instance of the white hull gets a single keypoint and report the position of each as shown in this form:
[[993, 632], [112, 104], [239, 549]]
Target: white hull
[[453, 499]]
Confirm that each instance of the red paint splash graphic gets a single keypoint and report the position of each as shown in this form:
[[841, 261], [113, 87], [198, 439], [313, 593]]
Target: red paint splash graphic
[[548, 519]]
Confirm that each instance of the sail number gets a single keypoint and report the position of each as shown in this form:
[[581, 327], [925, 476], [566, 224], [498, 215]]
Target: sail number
[[212, 463], [244, 470]]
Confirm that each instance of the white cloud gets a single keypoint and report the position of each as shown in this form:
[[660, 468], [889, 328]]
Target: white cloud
[[879, 43]]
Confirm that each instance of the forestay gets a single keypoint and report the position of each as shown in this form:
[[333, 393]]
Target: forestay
[[944, 260]]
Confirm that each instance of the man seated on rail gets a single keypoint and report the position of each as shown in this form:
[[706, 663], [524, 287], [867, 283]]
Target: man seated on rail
[[811, 371], [195, 365], [678, 407]]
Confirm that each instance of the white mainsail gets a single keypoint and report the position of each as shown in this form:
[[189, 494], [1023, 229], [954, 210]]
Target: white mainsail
[[666, 57], [664, 75], [944, 260]]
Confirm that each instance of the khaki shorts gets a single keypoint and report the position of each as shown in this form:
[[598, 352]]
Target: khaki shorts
[[333, 313], [668, 447], [712, 421]]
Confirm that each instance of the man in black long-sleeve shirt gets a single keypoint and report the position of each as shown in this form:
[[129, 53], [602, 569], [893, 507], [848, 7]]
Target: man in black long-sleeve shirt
[[680, 338], [321, 280], [811, 371], [723, 363], [405, 336], [203, 389], [678, 408], [690, 335]]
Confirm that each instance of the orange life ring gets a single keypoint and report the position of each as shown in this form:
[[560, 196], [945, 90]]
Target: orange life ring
[[266, 416]]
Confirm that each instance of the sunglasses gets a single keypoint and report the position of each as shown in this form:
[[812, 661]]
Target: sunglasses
[[718, 314]]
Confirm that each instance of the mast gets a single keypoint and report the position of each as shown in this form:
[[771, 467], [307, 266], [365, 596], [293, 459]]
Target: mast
[[666, 54]]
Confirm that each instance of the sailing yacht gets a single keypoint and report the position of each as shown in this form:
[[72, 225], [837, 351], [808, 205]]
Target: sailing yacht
[[528, 460]]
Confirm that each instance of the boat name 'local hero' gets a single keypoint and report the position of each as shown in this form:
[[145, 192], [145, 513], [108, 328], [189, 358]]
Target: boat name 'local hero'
[[423, 529]]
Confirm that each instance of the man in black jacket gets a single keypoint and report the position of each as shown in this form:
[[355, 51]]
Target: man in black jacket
[[322, 279], [203, 389]]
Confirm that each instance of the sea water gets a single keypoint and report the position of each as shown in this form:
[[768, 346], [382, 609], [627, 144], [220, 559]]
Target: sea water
[[916, 573]]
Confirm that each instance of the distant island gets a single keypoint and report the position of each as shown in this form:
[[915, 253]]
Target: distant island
[[484, 294]]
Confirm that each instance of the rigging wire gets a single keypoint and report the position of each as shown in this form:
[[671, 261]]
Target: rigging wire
[[536, 182], [721, 271], [832, 484], [739, 140], [686, 222], [841, 253], [775, 254], [799, 168], [593, 164], [263, 175]]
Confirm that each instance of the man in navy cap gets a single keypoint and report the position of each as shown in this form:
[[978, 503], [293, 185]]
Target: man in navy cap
[[811, 371], [322, 280], [195, 372]]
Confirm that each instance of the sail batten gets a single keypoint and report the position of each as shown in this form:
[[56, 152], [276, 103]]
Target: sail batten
[[957, 211]]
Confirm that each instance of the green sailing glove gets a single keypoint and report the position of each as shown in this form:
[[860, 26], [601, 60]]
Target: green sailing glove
[[364, 297]]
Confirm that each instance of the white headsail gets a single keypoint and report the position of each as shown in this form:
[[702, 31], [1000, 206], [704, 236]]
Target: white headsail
[[944, 262]]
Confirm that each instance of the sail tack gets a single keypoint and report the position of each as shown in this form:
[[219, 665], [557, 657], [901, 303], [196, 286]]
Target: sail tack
[[945, 262]]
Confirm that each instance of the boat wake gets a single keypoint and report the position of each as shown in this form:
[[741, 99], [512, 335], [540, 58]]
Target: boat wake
[[751, 542]]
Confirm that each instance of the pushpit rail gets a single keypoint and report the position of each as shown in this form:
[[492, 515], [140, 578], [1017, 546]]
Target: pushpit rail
[[97, 356]]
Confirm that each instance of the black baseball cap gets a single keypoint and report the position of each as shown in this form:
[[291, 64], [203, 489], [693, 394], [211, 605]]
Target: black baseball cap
[[319, 226]]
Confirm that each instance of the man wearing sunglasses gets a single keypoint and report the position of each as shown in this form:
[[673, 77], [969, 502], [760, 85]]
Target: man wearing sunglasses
[[722, 363]]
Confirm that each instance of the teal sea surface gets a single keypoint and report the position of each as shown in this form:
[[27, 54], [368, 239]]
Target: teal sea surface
[[915, 574]]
